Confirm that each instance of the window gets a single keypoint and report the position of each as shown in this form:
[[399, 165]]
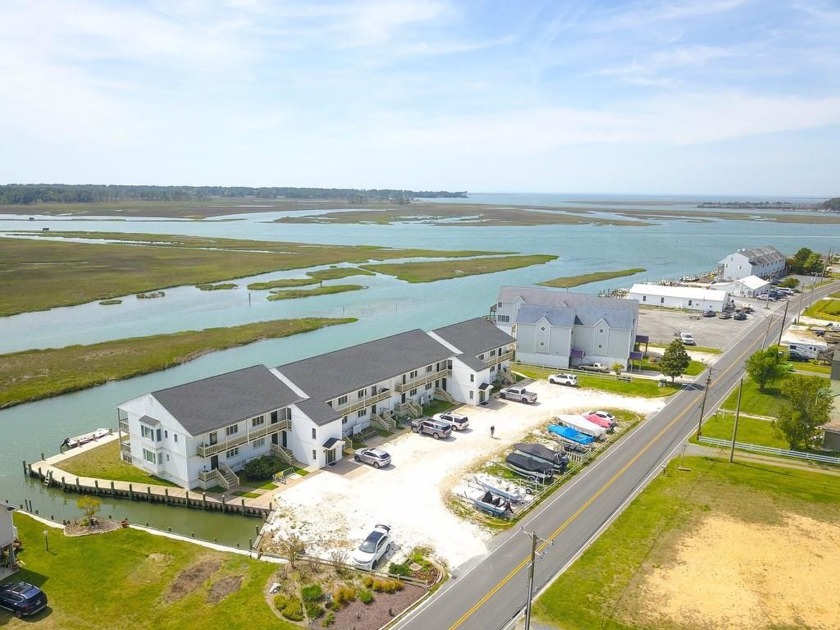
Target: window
[[662, 300], [644, 298], [275, 417], [232, 429], [234, 452], [481, 357], [601, 330], [542, 328], [344, 420], [542, 344], [429, 368], [413, 374], [167, 457], [600, 346], [166, 434], [413, 392], [361, 393], [149, 456], [471, 394], [503, 318], [175, 435], [314, 434], [361, 413], [158, 434], [147, 432], [258, 443], [493, 353], [472, 378], [428, 386], [258, 421], [499, 305], [342, 400], [314, 454]]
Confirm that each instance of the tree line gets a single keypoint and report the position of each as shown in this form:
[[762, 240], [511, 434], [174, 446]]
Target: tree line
[[27, 194]]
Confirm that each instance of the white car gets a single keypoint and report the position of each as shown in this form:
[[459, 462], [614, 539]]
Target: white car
[[687, 339], [569, 380], [458, 421], [375, 546]]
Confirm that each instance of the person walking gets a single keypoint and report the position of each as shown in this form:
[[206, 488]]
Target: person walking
[[492, 431]]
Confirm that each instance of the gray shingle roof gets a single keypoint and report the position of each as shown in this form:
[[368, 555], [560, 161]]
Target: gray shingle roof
[[587, 309], [556, 316], [218, 401], [334, 374], [474, 337], [763, 255]]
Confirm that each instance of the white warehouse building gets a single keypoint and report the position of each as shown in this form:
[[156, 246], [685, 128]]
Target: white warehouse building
[[692, 298]]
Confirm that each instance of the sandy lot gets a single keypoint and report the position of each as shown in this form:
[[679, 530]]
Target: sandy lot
[[733, 574], [335, 508]]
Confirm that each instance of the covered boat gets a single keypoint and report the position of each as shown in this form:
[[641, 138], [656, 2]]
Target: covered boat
[[601, 422], [510, 491], [558, 459], [570, 435], [581, 424], [530, 468]]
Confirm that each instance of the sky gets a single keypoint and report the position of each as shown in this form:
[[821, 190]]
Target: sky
[[715, 97]]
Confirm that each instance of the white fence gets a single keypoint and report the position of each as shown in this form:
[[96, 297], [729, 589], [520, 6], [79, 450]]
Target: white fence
[[766, 450]]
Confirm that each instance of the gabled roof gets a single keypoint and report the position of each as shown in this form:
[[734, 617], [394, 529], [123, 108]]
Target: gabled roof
[[752, 282], [553, 297], [661, 290], [760, 255], [617, 313], [328, 376], [215, 402], [472, 338]]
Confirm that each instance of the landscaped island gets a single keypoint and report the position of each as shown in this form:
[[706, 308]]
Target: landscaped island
[[36, 374]]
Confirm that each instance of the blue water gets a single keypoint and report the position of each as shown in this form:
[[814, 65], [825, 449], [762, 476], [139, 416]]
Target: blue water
[[666, 249]]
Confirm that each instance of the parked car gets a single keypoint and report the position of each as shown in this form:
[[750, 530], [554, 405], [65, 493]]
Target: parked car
[[374, 547], [570, 380], [22, 598], [376, 457], [595, 367], [457, 421], [436, 428], [687, 339], [518, 393], [708, 313], [740, 316], [724, 315]]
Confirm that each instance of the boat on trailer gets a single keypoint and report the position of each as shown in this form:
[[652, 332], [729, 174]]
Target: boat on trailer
[[530, 468], [489, 502], [85, 438], [571, 436], [510, 491], [557, 459]]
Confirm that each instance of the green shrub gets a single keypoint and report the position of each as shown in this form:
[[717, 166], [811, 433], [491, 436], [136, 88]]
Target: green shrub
[[314, 610], [365, 596], [280, 601], [263, 467], [293, 611], [328, 620], [399, 569], [312, 593], [344, 594], [367, 581]]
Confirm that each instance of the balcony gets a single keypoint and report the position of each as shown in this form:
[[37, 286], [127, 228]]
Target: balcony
[[504, 356], [238, 439], [124, 425], [427, 377], [367, 401]]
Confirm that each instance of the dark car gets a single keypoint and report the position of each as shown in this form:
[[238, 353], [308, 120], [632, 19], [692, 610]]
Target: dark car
[[22, 598], [740, 316], [708, 313]]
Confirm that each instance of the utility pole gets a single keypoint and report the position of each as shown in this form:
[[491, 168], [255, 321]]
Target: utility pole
[[703, 403], [534, 540], [784, 319], [737, 415]]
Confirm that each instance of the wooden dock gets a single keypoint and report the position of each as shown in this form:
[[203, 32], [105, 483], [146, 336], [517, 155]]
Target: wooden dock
[[52, 476]]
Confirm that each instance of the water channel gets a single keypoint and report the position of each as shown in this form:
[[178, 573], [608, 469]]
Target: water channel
[[668, 249]]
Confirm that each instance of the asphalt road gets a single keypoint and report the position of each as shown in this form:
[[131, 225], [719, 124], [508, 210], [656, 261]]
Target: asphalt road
[[492, 592]]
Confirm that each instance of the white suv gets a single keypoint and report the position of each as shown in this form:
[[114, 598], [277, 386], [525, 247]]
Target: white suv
[[564, 379], [687, 339]]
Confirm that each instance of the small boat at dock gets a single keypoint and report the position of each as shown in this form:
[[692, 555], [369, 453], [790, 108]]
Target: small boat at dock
[[86, 438]]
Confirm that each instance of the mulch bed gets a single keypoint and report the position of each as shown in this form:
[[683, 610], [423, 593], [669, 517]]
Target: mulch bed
[[100, 527], [383, 609]]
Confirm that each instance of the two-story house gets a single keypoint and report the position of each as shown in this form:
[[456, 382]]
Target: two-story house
[[764, 262], [198, 434]]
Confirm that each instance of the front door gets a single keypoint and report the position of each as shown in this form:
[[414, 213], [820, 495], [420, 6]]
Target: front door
[[482, 396], [214, 462], [331, 457], [213, 438], [284, 440]]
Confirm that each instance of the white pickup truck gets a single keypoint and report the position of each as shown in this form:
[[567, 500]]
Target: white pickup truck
[[518, 393], [595, 367]]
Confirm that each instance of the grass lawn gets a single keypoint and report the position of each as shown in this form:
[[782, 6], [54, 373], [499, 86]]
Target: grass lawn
[[130, 579], [750, 430], [290, 294], [755, 402], [598, 591], [41, 274], [827, 308], [446, 269], [645, 387], [103, 462], [598, 276], [35, 374]]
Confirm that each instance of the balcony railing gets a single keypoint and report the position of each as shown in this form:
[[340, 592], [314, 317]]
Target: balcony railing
[[505, 356], [124, 425], [428, 377], [367, 401], [238, 439]]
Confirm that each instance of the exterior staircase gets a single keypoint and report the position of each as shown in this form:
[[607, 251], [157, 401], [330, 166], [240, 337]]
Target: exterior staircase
[[283, 453], [230, 478], [384, 421], [411, 408], [506, 377], [443, 395]]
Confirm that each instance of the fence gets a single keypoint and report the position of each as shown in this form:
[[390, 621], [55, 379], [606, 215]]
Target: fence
[[767, 450]]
